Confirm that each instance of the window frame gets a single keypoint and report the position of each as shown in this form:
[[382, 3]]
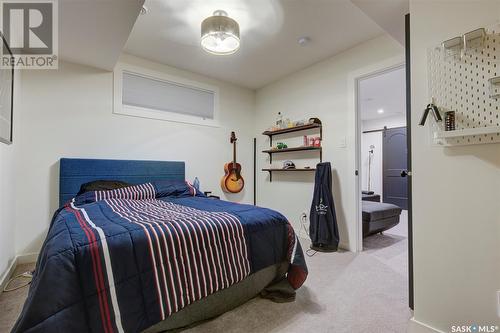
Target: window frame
[[143, 112]]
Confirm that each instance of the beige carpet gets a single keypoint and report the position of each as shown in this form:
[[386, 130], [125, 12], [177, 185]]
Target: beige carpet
[[345, 292], [11, 303]]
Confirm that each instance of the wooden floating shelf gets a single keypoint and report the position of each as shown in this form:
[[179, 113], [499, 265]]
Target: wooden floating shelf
[[285, 150], [301, 169], [467, 132], [292, 129], [272, 151]]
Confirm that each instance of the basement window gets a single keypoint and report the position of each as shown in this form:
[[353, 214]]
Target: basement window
[[159, 96]]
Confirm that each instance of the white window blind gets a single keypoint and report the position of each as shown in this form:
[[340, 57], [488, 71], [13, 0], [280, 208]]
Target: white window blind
[[170, 97]]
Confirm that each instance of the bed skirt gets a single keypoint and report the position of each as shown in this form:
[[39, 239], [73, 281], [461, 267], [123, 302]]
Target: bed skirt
[[222, 301]]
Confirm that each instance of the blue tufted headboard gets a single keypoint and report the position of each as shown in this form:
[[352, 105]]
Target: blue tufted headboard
[[74, 172]]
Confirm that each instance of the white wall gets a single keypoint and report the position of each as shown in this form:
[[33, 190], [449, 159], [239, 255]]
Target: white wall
[[389, 122], [7, 187], [7, 199], [375, 138], [323, 91], [456, 191], [68, 113]]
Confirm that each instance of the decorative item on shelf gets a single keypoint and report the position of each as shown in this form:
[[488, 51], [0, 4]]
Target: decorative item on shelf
[[232, 181], [286, 123], [314, 121], [281, 145], [301, 122], [449, 121], [306, 141], [279, 120], [317, 141], [311, 142], [288, 165]]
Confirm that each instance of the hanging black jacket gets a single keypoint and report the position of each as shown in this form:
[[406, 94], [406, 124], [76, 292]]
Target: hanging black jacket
[[323, 228]]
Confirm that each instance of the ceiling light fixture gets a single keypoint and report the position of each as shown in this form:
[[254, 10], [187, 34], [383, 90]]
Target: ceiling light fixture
[[220, 34], [380, 111]]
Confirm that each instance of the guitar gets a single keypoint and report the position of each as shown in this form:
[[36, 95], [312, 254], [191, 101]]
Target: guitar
[[232, 182]]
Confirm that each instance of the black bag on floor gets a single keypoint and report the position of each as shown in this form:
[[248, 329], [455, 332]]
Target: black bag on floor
[[323, 228]]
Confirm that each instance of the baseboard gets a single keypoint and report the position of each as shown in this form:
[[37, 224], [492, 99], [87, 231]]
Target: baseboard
[[306, 242], [416, 326], [345, 247], [8, 273], [28, 258]]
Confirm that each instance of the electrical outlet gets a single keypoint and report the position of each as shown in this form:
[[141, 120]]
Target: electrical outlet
[[303, 225]]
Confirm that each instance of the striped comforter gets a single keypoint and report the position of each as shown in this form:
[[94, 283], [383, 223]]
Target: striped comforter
[[123, 260]]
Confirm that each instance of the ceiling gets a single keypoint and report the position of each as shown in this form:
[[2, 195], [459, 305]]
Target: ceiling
[[385, 91], [389, 14], [93, 33], [170, 34]]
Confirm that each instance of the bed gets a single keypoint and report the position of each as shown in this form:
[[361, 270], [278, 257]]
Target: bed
[[153, 256]]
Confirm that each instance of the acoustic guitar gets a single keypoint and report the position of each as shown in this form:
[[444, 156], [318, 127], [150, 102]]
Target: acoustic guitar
[[232, 182]]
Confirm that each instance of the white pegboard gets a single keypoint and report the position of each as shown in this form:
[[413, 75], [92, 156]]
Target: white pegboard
[[461, 84]]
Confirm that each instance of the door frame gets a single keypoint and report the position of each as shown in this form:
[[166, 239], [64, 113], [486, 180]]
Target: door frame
[[354, 123], [411, 298], [386, 67]]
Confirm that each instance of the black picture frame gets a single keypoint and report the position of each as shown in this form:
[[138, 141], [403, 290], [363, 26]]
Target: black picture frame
[[8, 139]]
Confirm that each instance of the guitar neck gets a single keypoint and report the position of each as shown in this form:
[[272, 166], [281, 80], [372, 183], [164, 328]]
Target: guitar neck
[[234, 153]]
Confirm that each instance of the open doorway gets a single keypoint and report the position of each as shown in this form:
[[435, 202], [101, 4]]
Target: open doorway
[[383, 165]]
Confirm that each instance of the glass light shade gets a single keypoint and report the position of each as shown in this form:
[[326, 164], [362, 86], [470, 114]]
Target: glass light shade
[[220, 43], [220, 34]]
